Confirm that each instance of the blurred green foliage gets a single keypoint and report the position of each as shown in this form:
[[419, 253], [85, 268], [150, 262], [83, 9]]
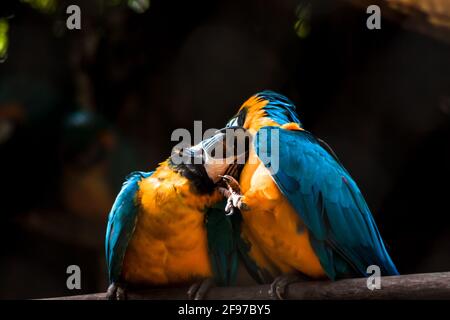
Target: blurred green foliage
[[44, 6], [4, 26], [139, 6], [303, 24], [50, 6]]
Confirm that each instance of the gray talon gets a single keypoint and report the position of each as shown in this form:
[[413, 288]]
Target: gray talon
[[198, 290], [193, 289], [116, 292], [278, 287]]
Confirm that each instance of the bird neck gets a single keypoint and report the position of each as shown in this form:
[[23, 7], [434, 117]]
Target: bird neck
[[195, 174]]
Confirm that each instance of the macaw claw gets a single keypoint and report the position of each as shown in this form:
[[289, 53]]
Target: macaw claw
[[199, 289], [231, 183], [116, 292], [278, 287], [233, 194]]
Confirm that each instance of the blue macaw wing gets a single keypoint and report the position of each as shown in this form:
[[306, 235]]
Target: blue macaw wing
[[121, 224], [227, 248], [221, 245], [342, 230]]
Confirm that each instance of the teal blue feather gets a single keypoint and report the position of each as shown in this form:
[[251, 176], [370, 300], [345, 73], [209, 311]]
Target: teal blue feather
[[227, 248], [121, 224], [279, 108], [122, 220], [343, 232], [221, 245]]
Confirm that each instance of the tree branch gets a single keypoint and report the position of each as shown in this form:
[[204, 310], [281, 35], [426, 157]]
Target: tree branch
[[413, 286]]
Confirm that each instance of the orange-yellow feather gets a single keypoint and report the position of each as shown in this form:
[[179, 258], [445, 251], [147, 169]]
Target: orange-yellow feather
[[279, 239], [169, 242]]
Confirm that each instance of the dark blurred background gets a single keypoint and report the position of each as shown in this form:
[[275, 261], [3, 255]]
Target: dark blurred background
[[79, 109]]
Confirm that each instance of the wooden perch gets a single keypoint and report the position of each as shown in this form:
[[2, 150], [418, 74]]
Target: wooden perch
[[429, 17], [413, 286]]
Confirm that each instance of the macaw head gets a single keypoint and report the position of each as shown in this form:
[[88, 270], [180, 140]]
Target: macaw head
[[225, 153], [265, 108]]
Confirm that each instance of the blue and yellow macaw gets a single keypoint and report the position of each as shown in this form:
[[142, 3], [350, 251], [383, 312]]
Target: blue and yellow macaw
[[304, 214], [168, 226]]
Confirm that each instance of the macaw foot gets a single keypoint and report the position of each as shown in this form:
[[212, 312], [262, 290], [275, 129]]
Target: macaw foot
[[278, 287], [116, 292], [199, 289], [233, 194]]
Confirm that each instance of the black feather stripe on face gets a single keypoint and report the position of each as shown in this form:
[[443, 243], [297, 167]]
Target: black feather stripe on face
[[239, 119], [232, 170], [196, 174]]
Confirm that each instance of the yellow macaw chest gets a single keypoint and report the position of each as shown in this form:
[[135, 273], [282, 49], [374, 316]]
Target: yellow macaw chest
[[169, 243], [279, 239]]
